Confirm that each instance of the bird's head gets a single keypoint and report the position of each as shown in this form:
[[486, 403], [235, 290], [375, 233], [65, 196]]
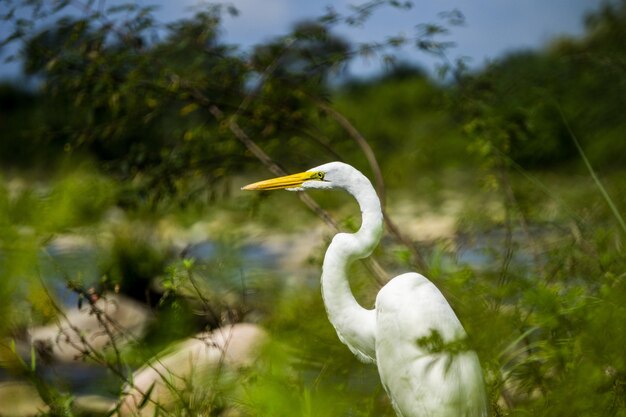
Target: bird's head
[[327, 176]]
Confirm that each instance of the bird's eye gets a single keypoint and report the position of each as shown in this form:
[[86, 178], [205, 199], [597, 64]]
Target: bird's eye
[[318, 176]]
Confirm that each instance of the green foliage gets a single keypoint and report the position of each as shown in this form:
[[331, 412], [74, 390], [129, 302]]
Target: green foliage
[[30, 216], [522, 105], [132, 261], [158, 112], [412, 132]]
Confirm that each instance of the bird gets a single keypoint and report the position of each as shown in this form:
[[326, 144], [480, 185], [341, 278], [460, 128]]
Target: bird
[[412, 334]]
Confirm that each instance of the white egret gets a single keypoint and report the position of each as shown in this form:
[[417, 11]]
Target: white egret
[[412, 334]]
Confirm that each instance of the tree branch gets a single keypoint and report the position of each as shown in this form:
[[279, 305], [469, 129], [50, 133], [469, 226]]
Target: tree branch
[[378, 177]]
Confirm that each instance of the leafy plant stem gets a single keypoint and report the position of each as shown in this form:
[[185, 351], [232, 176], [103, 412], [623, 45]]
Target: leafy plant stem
[[593, 174]]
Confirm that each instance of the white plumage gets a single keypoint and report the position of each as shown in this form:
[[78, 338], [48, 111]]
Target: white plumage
[[412, 334]]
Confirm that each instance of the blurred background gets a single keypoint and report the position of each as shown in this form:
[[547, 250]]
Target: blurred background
[[493, 132]]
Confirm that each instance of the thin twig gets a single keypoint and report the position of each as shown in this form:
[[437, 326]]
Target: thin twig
[[269, 163], [360, 140], [85, 348], [373, 266], [592, 172], [377, 270], [523, 221], [245, 103], [378, 176], [203, 299]]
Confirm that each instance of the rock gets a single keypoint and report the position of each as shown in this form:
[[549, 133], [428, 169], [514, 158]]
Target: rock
[[20, 399], [191, 364], [92, 405], [125, 318]]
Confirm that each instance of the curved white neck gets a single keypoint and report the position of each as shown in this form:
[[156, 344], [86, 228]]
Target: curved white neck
[[354, 324]]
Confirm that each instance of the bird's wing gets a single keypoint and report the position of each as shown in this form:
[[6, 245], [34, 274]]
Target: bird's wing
[[422, 355], [411, 309]]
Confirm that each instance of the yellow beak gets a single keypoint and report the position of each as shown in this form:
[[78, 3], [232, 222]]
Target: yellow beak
[[288, 181]]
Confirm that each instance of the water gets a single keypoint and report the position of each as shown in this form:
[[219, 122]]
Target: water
[[80, 263], [250, 255], [72, 261]]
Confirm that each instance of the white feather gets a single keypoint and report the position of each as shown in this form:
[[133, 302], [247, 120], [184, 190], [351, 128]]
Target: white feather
[[412, 334], [411, 326]]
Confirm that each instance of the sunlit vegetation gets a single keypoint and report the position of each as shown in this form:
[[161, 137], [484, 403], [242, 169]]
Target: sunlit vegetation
[[121, 167]]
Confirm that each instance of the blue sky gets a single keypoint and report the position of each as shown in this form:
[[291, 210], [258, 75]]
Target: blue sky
[[493, 27]]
